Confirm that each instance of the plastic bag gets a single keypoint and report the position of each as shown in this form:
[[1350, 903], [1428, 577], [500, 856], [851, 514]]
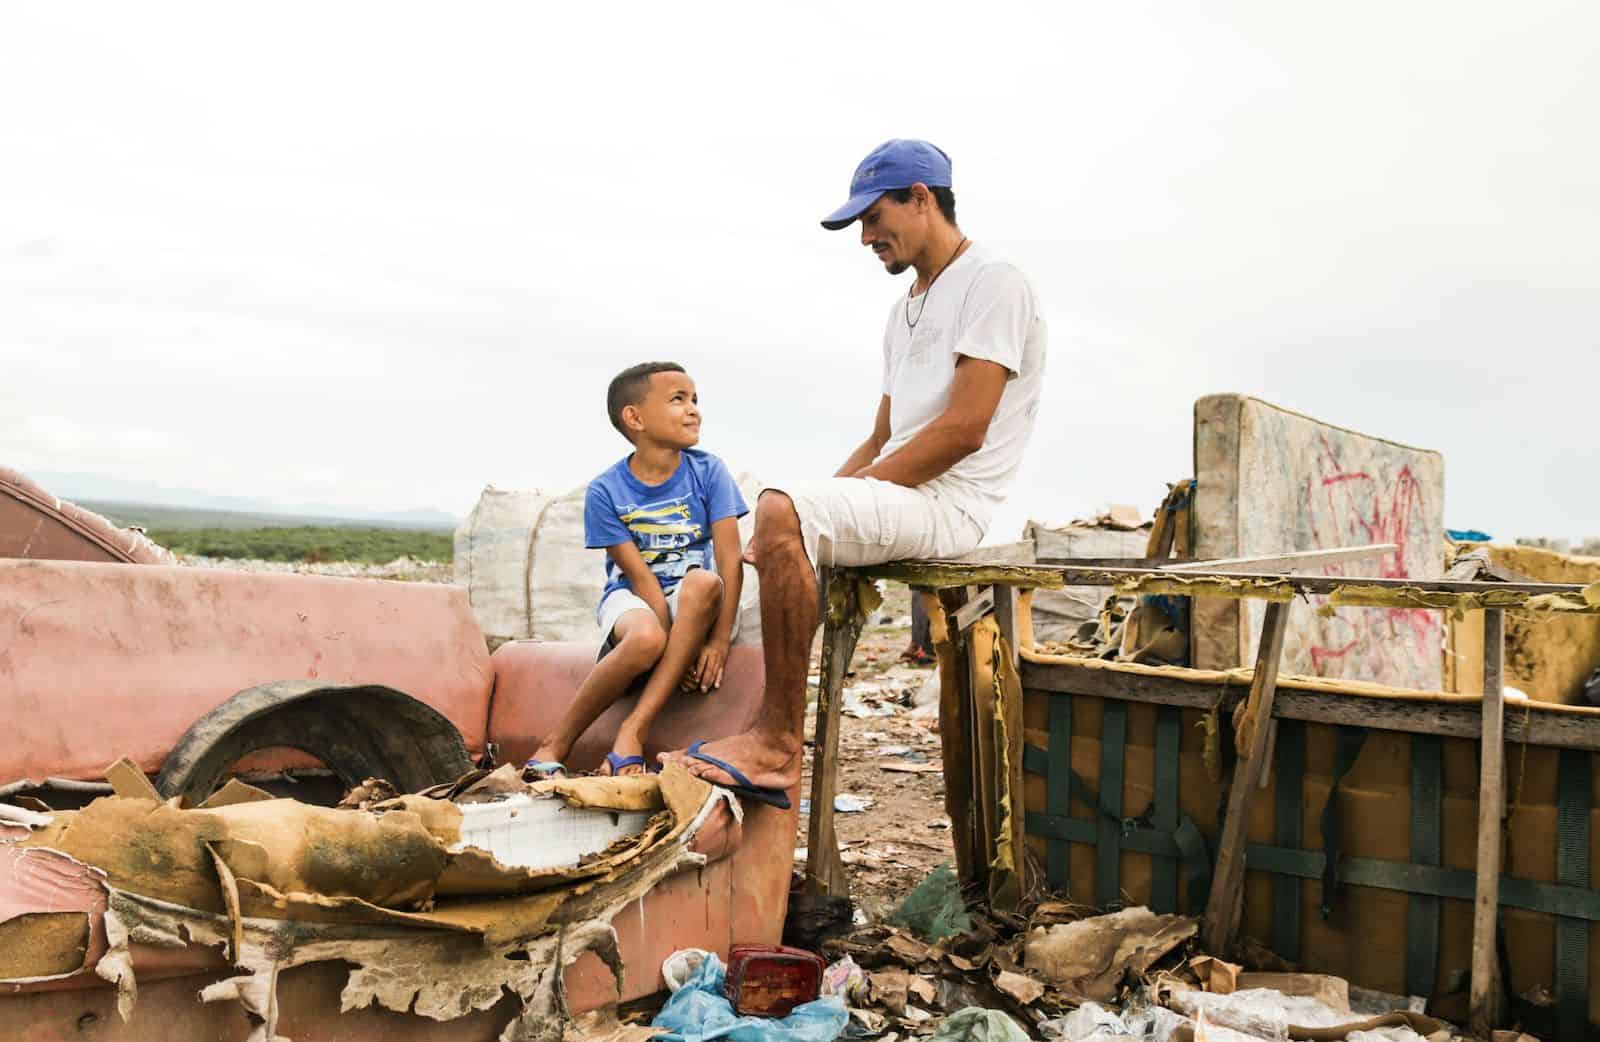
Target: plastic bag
[[699, 1012], [979, 1025], [846, 980], [934, 909], [680, 966]]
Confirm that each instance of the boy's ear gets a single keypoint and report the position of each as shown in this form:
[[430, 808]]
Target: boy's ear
[[631, 418]]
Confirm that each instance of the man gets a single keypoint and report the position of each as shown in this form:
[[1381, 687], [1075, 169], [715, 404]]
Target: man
[[963, 362]]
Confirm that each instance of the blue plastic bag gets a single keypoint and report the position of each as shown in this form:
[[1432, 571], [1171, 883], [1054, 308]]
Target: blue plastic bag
[[698, 1012]]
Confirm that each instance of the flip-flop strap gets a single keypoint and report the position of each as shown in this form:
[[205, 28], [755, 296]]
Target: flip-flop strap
[[733, 772], [617, 763]]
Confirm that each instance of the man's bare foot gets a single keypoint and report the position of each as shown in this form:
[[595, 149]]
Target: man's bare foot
[[768, 762]]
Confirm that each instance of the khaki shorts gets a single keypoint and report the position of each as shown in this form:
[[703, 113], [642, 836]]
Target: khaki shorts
[[850, 522]]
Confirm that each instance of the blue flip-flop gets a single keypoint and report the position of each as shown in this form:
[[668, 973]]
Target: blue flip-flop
[[545, 769], [617, 763], [742, 785]]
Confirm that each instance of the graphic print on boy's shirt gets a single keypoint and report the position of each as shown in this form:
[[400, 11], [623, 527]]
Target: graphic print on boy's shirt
[[670, 523], [665, 533]]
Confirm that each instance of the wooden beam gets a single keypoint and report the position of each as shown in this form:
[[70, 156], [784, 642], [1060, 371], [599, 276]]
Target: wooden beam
[[1345, 590], [1287, 562], [944, 575], [1227, 885], [1454, 719], [1485, 996], [1005, 614], [841, 627], [958, 745], [975, 609]]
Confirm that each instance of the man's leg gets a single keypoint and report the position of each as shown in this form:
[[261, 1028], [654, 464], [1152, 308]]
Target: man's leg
[[640, 642], [770, 753], [699, 600]]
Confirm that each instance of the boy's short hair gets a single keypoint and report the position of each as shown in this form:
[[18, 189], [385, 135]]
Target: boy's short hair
[[629, 386]]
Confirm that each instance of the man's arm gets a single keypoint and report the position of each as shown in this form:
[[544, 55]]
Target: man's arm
[[641, 580], [868, 450], [954, 434]]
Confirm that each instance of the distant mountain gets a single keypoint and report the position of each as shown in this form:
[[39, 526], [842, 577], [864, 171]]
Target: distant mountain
[[140, 503]]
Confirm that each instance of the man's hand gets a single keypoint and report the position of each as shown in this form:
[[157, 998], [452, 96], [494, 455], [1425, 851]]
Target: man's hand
[[707, 673]]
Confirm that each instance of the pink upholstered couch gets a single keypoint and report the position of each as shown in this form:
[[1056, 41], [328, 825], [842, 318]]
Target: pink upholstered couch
[[99, 661]]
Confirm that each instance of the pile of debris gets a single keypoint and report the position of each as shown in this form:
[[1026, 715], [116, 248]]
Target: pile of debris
[[1061, 974]]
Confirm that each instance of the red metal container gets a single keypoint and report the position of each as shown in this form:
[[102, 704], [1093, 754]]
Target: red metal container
[[769, 980]]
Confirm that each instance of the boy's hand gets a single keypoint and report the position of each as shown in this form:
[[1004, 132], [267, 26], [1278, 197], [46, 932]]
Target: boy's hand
[[707, 673]]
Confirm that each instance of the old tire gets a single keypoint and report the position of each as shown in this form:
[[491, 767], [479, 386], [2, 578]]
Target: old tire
[[358, 732]]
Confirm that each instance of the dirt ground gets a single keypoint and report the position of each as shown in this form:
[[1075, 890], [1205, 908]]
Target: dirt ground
[[903, 834]]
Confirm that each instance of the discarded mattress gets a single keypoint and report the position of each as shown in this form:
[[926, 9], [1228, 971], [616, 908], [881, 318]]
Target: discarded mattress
[[1271, 481], [520, 557], [430, 922]]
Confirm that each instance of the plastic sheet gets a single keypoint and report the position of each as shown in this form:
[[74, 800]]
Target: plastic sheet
[[698, 1012], [934, 910], [979, 1025]]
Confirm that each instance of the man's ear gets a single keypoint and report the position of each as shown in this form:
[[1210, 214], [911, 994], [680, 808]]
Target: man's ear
[[920, 195]]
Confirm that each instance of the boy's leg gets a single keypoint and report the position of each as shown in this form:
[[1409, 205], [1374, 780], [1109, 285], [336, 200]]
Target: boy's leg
[[640, 641], [699, 597]]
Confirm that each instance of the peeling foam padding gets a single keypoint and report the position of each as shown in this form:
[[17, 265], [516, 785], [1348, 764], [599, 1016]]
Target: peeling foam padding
[[1548, 657], [1271, 481], [352, 889]]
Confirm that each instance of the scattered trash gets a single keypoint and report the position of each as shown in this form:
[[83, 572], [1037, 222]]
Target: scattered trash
[[813, 918], [846, 803], [601, 1025], [770, 980], [1092, 957], [1019, 986], [698, 1010], [928, 693], [681, 965], [847, 980], [1090, 1022], [934, 910], [974, 1024], [910, 768]]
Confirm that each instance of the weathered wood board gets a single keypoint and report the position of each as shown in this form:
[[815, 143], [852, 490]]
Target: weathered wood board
[[1273, 481]]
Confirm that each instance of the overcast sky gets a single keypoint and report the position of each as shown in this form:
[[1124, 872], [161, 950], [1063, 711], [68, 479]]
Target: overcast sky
[[379, 255]]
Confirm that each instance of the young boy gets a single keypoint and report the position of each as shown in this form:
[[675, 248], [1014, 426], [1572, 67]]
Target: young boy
[[667, 516]]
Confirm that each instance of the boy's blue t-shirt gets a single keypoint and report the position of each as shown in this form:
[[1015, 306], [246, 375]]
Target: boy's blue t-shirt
[[670, 523]]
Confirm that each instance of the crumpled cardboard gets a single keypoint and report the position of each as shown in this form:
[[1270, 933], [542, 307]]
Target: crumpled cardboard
[[1091, 958]]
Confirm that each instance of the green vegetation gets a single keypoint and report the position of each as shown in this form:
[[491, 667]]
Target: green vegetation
[[313, 543]]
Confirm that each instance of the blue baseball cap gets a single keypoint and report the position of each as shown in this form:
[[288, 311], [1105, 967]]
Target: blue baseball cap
[[900, 163]]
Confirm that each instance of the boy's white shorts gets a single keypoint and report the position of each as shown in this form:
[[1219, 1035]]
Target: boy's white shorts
[[619, 602], [850, 522]]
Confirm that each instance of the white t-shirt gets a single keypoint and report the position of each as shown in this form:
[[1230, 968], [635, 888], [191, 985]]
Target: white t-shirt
[[983, 308]]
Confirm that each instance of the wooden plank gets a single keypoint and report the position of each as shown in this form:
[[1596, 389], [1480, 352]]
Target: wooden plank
[[1227, 885], [1287, 562], [1561, 730], [825, 872], [1005, 614], [1354, 591], [956, 742], [975, 609], [1485, 994], [943, 575]]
